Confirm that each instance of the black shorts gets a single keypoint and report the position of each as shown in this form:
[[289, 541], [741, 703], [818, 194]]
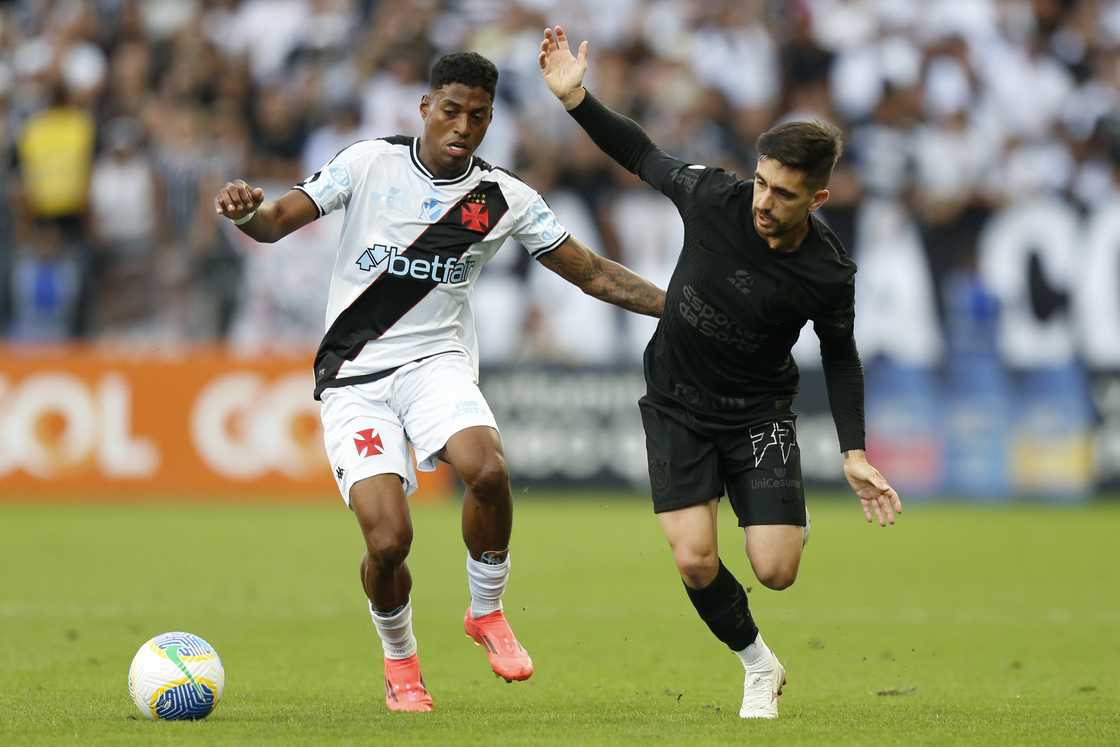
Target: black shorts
[[757, 466]]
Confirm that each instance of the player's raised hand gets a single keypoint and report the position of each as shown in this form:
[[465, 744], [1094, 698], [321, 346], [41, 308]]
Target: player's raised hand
[[875, 493], [237, 199], [562, 71]]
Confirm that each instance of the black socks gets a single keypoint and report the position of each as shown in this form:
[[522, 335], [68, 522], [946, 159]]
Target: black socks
[[723, 606]]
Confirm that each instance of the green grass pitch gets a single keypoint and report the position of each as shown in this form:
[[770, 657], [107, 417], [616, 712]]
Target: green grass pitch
[[960, 625]]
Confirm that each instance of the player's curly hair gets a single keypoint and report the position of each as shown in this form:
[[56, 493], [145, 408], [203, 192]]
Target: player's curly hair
[[812, 147], [469, 68]]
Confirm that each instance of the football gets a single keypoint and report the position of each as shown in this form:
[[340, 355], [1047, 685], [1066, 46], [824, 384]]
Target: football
[[176, 676]]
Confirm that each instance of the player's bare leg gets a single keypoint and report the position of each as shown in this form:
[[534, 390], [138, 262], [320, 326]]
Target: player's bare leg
[[721, 602], [382, 511], [775, 553], [692, 538], [476, 454]]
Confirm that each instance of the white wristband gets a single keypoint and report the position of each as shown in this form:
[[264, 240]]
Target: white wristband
[[244, 219]]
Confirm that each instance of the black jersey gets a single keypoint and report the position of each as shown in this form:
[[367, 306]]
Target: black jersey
[[734, 307]]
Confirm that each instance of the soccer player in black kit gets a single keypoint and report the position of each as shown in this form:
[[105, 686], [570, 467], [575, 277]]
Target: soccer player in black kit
[[718, 411]]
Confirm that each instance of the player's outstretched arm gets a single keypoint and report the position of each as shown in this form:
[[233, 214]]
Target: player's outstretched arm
[[875, 493], [264, 221], [606, 280]]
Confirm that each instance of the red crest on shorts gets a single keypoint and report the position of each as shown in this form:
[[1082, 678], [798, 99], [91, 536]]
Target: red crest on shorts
[[368, 443]]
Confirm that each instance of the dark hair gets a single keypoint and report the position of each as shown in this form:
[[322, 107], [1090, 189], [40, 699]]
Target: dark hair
[[811, 147], [469, 68]]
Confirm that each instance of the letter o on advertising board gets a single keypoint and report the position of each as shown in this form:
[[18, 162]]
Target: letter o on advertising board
[[24, 442], [56, 424]]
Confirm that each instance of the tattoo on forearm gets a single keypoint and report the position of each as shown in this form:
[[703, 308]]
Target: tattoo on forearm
[[630, 291]]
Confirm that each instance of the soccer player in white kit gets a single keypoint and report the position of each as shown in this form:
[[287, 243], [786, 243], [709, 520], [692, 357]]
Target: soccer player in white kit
[[398, 364]]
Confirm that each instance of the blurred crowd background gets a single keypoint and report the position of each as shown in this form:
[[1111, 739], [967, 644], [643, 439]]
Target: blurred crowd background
[[119, 119], [978, 193]]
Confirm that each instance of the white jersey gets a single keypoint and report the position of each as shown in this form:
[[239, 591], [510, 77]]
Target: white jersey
[[411, 248]]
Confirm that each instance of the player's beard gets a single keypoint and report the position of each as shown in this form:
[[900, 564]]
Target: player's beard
[[774, 228]]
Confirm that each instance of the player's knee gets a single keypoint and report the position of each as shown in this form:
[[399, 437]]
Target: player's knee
[[777, 576], [490, 478], [387, 550], [698, 567]]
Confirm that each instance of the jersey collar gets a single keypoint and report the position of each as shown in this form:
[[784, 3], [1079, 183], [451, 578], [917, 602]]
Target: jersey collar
[[414, 152]]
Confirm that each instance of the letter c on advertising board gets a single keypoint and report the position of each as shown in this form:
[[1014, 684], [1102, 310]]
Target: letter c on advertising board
[[244, 426]]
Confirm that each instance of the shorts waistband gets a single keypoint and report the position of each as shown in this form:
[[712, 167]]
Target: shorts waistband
[[376, 375]]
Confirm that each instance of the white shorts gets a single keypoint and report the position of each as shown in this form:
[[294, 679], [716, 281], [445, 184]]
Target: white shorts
[[368, 428]]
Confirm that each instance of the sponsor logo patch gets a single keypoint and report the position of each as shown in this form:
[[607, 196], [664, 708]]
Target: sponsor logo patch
[[447, 270], [769, 483], [716, 324]]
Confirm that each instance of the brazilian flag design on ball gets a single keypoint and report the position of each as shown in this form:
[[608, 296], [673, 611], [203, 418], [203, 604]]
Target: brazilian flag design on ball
[[176, 676]]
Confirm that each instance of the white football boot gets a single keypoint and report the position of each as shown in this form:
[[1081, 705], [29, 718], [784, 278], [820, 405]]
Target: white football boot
[[761, 687]]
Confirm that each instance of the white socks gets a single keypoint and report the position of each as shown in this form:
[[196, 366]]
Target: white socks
[[755, 656], [486, 582], [395, 631]]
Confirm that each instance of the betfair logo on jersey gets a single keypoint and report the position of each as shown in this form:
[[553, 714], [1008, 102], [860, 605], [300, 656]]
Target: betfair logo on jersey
[[440, 269]]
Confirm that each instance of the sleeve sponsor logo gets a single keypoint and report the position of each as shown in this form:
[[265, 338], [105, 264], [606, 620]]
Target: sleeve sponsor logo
[[688, 178], [544, 223], [339, 175]]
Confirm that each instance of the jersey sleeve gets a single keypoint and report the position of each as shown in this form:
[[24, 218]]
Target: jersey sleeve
[[537, 227], [331, 186], [687, 184], [843, 370]]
